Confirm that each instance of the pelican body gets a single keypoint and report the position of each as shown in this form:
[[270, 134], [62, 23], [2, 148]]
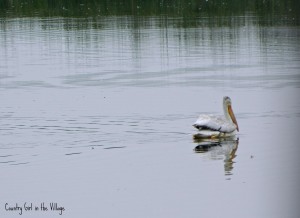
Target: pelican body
[[212, 126]]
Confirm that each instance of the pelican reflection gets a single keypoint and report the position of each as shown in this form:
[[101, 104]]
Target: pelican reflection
[[218, 149]]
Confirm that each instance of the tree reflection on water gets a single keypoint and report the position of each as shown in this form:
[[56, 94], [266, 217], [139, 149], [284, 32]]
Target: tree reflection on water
[[178, 8]]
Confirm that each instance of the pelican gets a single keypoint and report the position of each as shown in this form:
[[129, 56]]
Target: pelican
[[212, 126]]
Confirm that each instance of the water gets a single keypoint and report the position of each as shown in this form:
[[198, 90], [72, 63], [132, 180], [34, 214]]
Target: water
[[96, 115]]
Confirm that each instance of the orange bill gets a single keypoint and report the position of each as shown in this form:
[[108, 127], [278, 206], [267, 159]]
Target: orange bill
[[233, 117]]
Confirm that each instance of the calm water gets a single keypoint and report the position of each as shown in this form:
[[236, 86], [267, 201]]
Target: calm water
[[96, 115]]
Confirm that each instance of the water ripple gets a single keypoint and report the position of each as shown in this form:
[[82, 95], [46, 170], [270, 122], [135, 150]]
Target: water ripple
[[74, 153], [37, 137]]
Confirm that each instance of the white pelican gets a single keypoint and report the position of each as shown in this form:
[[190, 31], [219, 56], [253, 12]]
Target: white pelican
[[212, 126]]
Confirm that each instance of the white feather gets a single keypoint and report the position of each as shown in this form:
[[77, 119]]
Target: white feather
[[213, 126], [215, 123]]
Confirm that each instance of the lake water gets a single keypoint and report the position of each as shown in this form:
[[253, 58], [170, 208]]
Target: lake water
[[96, 115]]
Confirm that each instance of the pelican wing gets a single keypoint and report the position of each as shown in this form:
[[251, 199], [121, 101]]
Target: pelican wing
[[214, 123]]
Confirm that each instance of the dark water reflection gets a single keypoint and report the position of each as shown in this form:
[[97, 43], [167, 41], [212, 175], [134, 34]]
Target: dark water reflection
[[219, 149], [89, 52], [270, 12]]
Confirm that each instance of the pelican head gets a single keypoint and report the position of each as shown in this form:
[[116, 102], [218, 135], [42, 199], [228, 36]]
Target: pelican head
[[228, 112]]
